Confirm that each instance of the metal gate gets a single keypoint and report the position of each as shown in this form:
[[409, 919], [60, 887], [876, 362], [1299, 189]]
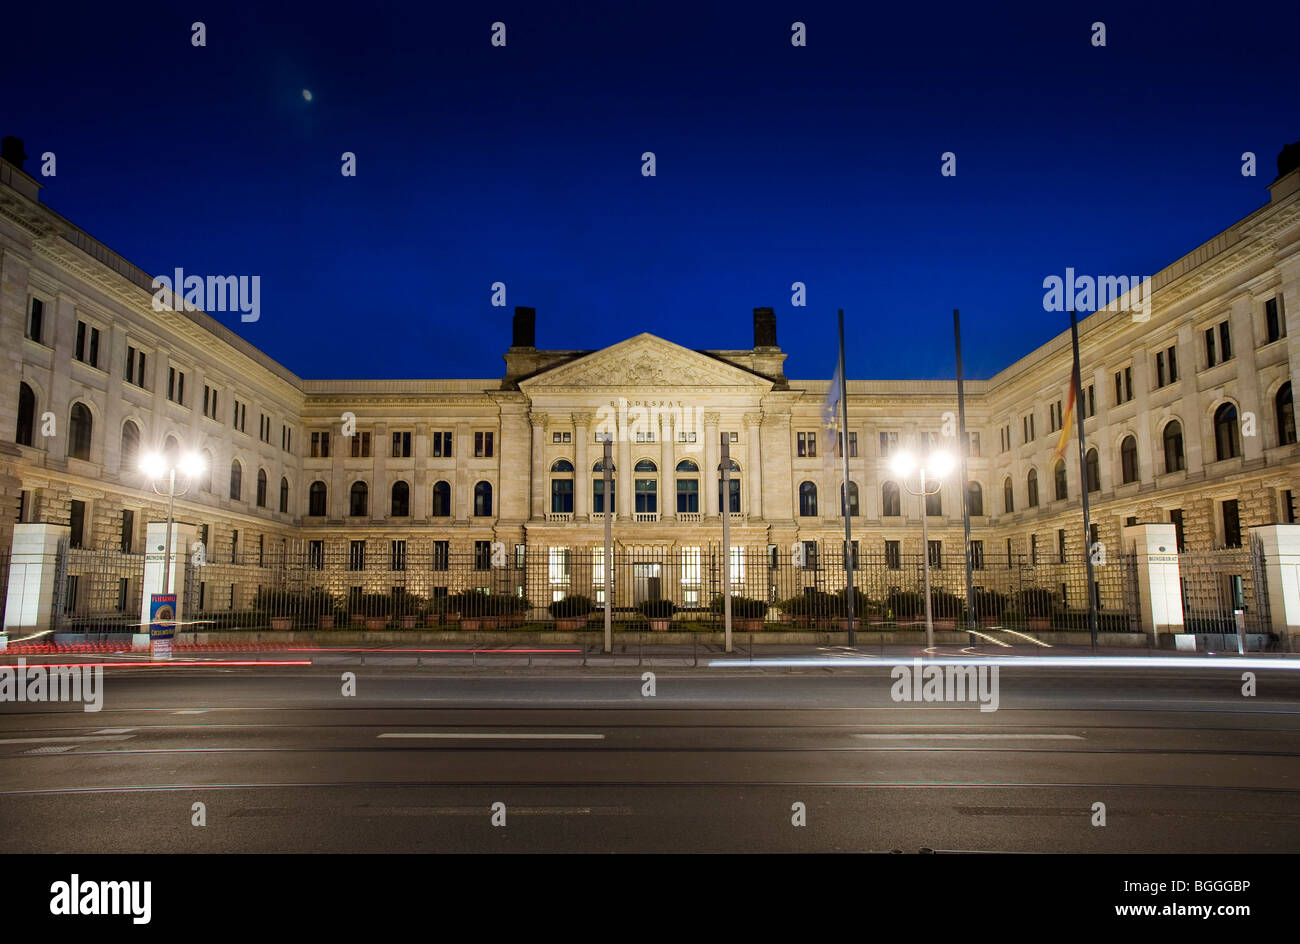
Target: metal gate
[[1218, 584]]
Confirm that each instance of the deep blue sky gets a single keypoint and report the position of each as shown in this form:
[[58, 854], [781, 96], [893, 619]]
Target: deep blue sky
[[775, 164]]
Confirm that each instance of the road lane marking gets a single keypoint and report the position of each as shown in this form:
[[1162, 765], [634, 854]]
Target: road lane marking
[[193, 711], [48, 749], [504, 737], [113, 731], [972, 737], [64, 740]]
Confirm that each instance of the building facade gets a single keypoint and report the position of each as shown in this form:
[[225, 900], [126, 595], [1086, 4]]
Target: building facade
[[1189, 419]]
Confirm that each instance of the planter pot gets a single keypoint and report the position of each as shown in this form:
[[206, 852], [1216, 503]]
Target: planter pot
[[471, 623], [749, 624], [660, 625], [407, 622], [281, 623], [945, 623], [325, 622], [1039, 624], [376, 622], [570, 624]]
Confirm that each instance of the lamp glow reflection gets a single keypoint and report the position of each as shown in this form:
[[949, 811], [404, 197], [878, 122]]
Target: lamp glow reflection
[[929, 472], [159, 466]]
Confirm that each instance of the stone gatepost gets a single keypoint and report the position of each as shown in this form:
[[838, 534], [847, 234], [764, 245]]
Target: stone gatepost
[[32, 572], [1160, 592], [1281, 579]]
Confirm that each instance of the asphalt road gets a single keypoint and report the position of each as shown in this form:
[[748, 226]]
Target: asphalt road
[[713, 762]]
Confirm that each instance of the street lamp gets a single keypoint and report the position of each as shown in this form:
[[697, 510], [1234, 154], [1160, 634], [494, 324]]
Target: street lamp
[[929, 472], [157, 466]]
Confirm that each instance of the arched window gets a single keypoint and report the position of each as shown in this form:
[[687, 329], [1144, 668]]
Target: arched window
[[236, 480], [688, 487], [1092, 469], [1173, 438], [853, 500], [483, 500], [400, 501], [974, 500], [359, 500], [441, 500], [733, 480], [316, 504], [26, 415], [807, 500], [562, 487], [1031, 482], [80, 426], [284, 495], [1059, 480], [598, 487], [1227, 443], [130, 447], [934, 505], [1285, 409], [1008, 497], [646, 487], [891, 502], [261, 488], [1128, 459], [209, 471]]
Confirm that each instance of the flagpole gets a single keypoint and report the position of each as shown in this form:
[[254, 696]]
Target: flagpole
[[962, 451], [1083, 480], [844, 491]]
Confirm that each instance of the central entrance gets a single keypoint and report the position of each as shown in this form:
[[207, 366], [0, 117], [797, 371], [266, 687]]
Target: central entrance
[[647, 582]]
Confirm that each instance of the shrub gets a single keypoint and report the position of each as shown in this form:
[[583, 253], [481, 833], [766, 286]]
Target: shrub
[[946, 605], [318, 602], [988, 603], [657, 609], [863, 606], [741, 607], [278, 603], [408, 604], [904, 604], [1036, 601], [571, 606], [371, 605], [814, 603]]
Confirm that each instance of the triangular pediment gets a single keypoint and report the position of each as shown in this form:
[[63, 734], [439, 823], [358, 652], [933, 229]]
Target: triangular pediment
[[644, 361]]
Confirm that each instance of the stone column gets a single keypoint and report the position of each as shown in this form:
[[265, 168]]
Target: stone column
[[624, 480], [752, 486], [712, 459], [1241, 318], [537, 485], [581, 466], [31, 576], [1160, 597], [1281, 579], [667, 490]]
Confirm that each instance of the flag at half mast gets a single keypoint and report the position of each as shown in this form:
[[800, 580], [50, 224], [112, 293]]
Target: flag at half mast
[[1067, 422]]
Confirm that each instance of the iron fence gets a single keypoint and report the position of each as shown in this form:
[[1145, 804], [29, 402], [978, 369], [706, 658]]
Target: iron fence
[[398, 584], [1217, 584], [97, 590]]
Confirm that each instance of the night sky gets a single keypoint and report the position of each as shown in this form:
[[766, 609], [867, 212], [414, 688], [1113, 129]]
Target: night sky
[[775, 164]]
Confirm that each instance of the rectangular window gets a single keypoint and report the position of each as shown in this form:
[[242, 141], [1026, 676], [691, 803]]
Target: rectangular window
[[1231, 524], [1171, 355], [316, 555], [71, 585], [1225, 341], [87, 344], [77, 523], [1210, 356], [1160, 368], [1176, 519], [320, 444], [810, 555], [356, 555], [130, 367], [286, 439], [482, 555], [176, 385], [1033, 549], [361, 445], [402, 445], [1060, 545], [36, 319], [888, 443], [976, 555], [1274, 323], [853, 445], [936, 554], [442, 445], [686, 437], [261, 550], [893, 555], [397, 555], [561, 437], [441, 554], [973, 445], [128, 530], [1288, 506], [807, 444], [483, 445], [1092, 399]]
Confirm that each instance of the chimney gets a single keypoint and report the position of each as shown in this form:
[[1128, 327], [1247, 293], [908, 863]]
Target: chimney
[[1288, 181], [11, 150], [525, 327], [764, 327]]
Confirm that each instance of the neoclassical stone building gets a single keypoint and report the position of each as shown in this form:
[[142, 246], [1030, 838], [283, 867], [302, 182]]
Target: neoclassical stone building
[[1189, 418]]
